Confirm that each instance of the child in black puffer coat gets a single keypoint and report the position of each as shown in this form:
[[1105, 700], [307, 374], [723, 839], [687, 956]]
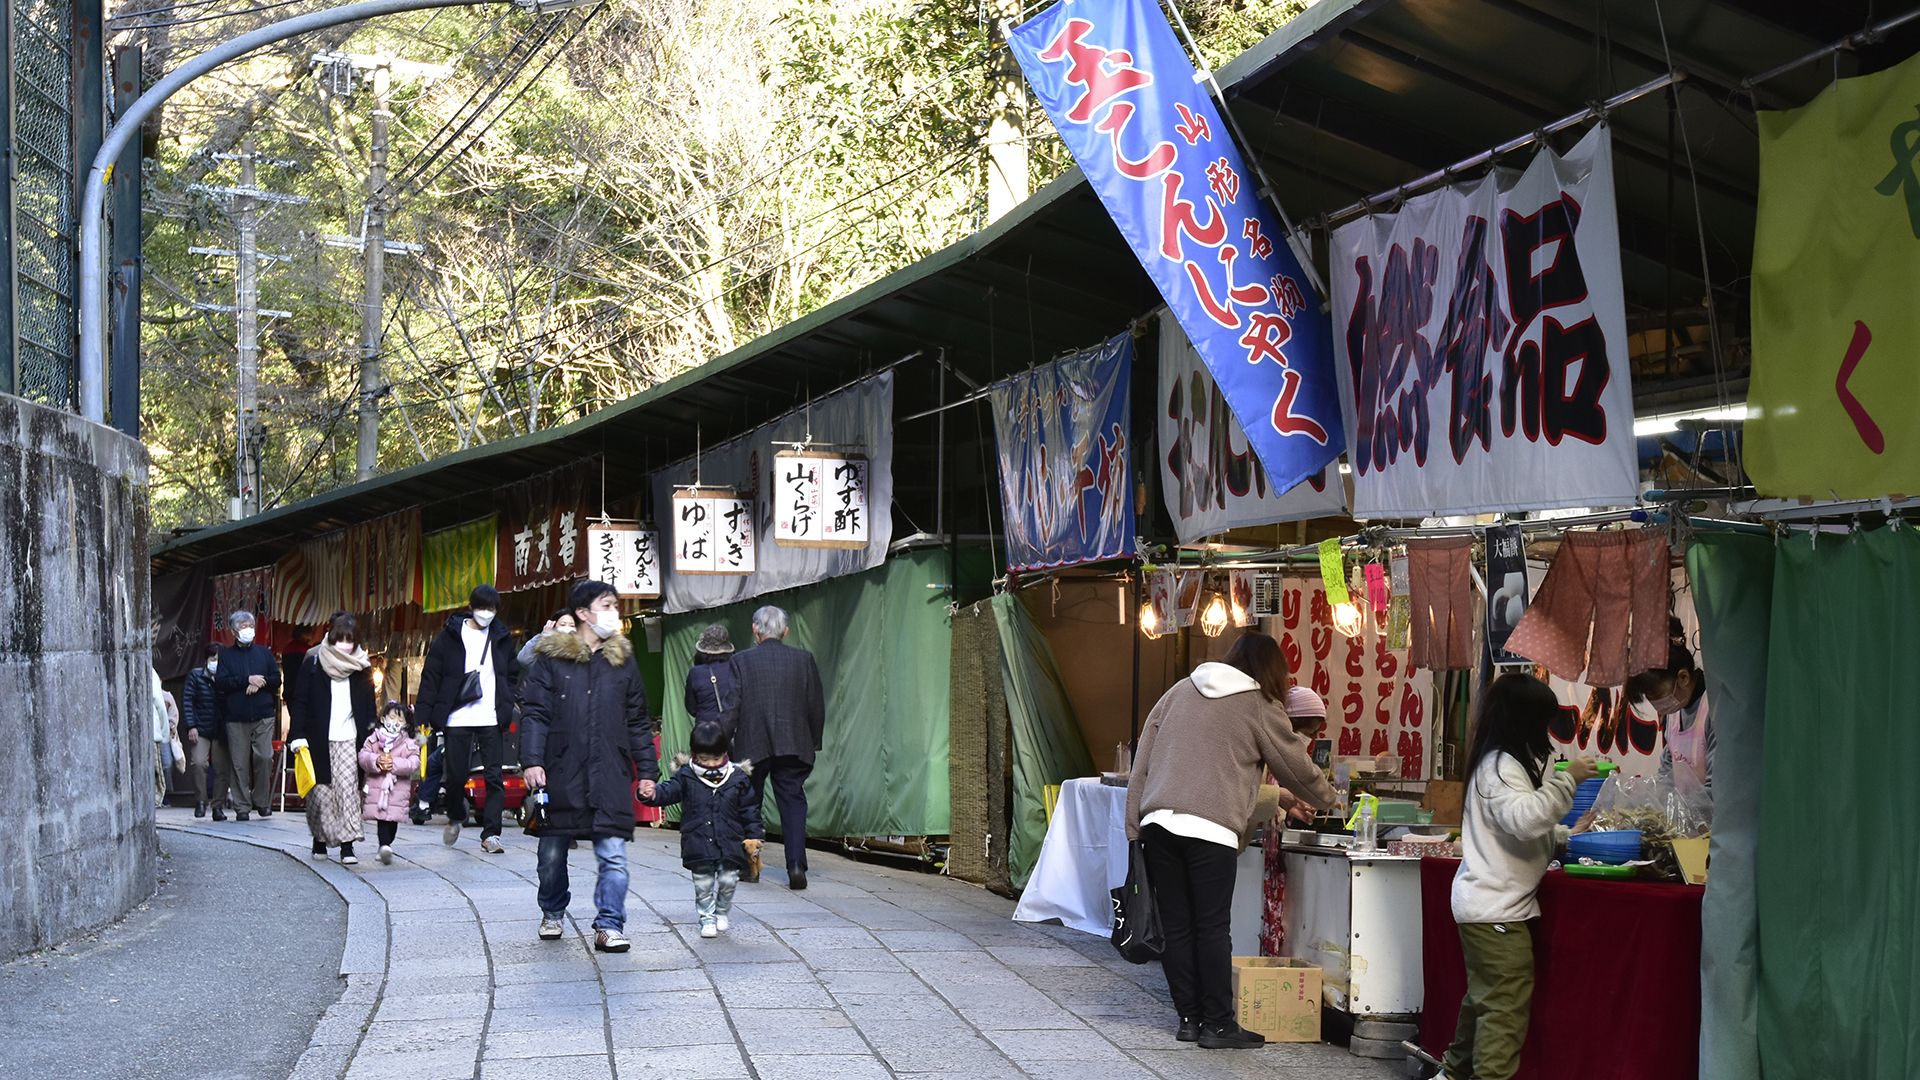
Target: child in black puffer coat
[[719, 822]]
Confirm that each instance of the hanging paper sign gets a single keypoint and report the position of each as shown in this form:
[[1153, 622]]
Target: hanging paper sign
[[1506, 589], [1400, 605], [1065, 483], [1333, 570], [1484, 342], [1377, 703], [1241, 584], [1125, 99], [712, 532], [1160, 590], [1211, 477], [1186, 596], [819, 499], [626, 557], [1377, 594]]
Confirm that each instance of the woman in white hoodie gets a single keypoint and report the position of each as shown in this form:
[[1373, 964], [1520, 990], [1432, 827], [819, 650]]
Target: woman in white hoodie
[[1510, 829]]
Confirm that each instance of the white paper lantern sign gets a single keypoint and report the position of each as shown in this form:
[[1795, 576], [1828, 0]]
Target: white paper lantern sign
[[626, 557], [712, 532], [820, 499]]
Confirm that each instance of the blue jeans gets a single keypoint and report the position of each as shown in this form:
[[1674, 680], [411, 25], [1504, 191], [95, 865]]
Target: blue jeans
[[609, 892]]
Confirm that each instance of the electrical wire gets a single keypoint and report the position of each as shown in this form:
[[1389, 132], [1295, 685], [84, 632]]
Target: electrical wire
[[207, 18]]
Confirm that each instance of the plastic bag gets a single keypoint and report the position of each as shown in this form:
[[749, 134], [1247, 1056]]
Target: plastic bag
[[1661, 813]]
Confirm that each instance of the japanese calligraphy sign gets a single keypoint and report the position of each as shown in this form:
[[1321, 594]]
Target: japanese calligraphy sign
[[250, 591], [819, 499], [1209, 472], [1065, 485], [626, 557], [712, 532], [1507, 590], [1123, 96], [542, 532], [1376, 704], [1482, 345]]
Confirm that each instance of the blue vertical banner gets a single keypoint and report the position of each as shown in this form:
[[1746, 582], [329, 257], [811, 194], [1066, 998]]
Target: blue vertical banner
[[1124, 96], [1062, 430]]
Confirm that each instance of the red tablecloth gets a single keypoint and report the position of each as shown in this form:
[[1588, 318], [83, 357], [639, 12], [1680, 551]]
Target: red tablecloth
[[1617, 977]]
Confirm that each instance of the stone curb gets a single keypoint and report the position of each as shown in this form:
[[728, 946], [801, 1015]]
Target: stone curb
[[363, 962]]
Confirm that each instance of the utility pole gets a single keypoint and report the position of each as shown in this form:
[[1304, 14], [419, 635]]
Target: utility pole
[[1007, 177]]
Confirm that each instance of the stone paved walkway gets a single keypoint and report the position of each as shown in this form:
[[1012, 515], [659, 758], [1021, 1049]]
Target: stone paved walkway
[[871, 972]]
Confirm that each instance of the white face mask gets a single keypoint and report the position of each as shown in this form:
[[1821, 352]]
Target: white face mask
[[392, 723], [482, 618], [606, 622], [344, 646], [213, 665], [246, 635]]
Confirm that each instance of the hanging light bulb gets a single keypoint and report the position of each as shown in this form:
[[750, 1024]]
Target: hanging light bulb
[[1213, 620], [1346, 618], [1148, 625]]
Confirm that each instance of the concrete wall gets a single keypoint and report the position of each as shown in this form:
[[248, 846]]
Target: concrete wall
[[77, 846]]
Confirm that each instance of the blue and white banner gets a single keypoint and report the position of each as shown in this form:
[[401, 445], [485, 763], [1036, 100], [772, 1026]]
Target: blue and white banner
[[1065, 486], [1122, 93]]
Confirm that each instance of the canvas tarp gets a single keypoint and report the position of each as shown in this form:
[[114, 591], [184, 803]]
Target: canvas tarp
[[883, 644], [1047, 744]]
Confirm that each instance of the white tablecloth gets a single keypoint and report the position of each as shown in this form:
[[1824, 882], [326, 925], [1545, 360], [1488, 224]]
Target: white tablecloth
[[1083, 859]]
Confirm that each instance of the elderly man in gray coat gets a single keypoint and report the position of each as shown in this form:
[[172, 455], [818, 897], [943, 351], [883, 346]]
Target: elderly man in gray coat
[[781, 717]]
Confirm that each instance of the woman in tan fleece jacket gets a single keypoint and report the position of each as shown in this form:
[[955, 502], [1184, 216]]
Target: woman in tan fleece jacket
[[1191, 801]]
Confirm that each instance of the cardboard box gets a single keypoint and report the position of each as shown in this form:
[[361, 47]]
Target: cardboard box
[[1278, 996]]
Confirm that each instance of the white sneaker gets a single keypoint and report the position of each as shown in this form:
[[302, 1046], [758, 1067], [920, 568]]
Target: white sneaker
[[720, 924], [551, 928], [709, 930], [386, 855], [492, 846], [450, 834], [349, 859]]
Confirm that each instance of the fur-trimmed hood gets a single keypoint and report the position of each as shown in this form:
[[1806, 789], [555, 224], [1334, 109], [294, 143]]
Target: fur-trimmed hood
[[617, 649]]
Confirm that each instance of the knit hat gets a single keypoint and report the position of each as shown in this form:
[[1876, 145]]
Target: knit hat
[[714, 641], [1304, 702]]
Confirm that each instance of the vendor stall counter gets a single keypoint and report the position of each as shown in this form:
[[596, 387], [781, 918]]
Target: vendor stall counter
[[1357, 916]]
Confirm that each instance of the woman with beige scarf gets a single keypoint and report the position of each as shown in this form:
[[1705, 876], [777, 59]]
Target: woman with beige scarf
[[332, 713]]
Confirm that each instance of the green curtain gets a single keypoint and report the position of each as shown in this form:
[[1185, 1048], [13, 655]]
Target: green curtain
[[1839, 870], [1732, 576], [1047, 745], [883, 644]]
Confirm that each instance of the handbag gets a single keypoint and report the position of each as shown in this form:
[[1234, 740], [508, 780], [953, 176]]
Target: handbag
[[303, 780], [471, 689], [1136, 919]]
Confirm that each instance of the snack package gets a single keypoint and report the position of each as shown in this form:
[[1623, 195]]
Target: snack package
[[1662, 815]]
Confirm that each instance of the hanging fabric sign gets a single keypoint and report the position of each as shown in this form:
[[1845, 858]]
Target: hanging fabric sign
[[859, 416], [1212, 479], [819, 499], [383, 562], [1125, 98], [1065, 484], [1377, 703], [541, 524], [250, 591], [1506, 589], [626, 557], [1483, 352], [453, 561], [712, 532]]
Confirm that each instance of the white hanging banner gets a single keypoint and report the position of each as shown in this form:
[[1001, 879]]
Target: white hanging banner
[[820, 499], [1208, 471], [1481, 339], [626, 557], [712, 532]]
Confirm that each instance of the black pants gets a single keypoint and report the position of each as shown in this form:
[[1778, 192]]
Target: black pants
[[458, 764], [387, 830], [788, 773], [1193, 890]]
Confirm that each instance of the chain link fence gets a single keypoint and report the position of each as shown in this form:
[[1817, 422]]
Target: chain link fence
[[43, 214]]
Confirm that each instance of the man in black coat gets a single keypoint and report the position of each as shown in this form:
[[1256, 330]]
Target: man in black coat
[[206, 736], [246, 684], [584, 734], [473, 640], [780, 721]]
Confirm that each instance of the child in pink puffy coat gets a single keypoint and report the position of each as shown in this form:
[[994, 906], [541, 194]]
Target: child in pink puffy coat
[[390, 759]]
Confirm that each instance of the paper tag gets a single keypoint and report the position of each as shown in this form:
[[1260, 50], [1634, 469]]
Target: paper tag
[[1333, 570]]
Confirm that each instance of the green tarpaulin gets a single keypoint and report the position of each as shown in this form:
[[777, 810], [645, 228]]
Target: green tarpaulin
[[883, 644], [1047, 744], [1839, 873]]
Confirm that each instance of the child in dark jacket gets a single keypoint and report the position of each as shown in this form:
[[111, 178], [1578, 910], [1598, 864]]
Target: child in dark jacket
[[719, 823]]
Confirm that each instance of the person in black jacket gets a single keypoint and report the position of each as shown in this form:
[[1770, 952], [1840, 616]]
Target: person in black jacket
[[473, 640], [206, 736], [584, 734], [246, 683], [712, 694], [333, 712], [719, 822], [781, 721]]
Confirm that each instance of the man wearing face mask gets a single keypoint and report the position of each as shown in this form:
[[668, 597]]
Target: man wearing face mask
[[206, 737], [1678, 692], [248, 680], [473, 712]]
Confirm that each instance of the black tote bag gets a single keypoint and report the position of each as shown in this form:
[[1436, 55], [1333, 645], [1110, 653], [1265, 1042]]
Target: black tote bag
[[1136, 921]]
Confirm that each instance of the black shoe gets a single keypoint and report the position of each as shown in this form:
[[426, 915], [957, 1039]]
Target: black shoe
[[319, 849], [219, 814], [796, 880], [1189, 1030], [418, 817], [264, 812], [200, 809], [239, 815], [1230, 1037]]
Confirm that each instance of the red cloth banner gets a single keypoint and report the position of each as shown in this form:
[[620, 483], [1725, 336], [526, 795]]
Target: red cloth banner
[[543, 531], [1616, 991]]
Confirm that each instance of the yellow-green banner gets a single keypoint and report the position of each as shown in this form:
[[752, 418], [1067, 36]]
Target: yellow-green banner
[[454, 560], [1834, 402]]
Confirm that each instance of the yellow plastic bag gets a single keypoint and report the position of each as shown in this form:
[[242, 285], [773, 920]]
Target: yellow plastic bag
[[303, 771]]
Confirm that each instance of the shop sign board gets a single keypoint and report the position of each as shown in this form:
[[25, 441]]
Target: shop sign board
[[712, 532], [1376, 703], [626, 557], [1482, 345], [820, 499]]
